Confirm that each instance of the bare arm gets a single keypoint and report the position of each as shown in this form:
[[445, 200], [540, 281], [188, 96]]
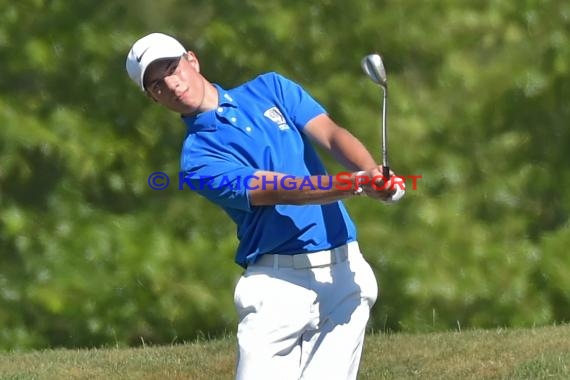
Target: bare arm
[[344, 147], [349, 151], [271, 188]]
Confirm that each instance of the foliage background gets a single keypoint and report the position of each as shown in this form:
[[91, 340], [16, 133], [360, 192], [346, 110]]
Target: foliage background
[[91, 256]]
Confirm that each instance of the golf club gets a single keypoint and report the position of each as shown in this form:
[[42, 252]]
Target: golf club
[[374, 69]]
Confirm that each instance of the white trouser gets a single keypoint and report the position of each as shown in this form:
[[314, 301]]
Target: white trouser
[[305, 322]]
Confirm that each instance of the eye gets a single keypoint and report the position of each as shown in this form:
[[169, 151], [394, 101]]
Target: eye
[[157, 85], [172, 67]]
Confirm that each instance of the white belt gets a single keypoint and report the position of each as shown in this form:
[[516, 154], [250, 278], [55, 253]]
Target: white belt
[[309, 260]]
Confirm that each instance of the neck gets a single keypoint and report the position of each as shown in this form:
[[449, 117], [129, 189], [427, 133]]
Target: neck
[[209, 99]]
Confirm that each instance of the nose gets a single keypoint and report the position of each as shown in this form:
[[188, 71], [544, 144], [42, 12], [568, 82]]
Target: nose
[[174, 85], [172, 82]]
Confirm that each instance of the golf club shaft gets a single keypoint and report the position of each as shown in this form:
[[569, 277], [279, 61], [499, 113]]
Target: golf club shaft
[[385, 166]]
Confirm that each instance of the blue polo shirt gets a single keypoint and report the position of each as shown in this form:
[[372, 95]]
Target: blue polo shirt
[[259, 126]]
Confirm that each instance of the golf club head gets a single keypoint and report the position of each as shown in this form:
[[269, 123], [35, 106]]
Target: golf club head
[[374, 68]]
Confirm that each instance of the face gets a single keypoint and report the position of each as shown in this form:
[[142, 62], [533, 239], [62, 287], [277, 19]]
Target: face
[[176, 83]]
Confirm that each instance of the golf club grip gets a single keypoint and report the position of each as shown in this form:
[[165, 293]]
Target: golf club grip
[[386, 172]]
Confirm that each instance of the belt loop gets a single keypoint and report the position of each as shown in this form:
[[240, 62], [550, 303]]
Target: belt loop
[[275, 262]]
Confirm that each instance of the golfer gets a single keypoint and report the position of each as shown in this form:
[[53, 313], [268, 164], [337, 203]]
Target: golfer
[[305, 296]]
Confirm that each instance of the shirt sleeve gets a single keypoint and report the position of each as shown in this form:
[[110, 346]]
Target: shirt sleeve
[[299, 105], [222, 182]]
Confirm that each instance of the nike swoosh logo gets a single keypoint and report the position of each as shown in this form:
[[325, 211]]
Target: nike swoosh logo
[[140, 56]]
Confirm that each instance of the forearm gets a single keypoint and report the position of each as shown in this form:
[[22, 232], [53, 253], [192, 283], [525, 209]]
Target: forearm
[[340, 143], [350, 152], [271, 188]]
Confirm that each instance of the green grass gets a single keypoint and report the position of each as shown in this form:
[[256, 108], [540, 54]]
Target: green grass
[[538, 353]]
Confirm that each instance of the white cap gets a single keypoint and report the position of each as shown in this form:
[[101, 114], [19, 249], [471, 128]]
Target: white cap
[[147, 50]]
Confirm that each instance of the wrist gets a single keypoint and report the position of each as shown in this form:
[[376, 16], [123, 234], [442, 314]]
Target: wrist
[[359, 178]]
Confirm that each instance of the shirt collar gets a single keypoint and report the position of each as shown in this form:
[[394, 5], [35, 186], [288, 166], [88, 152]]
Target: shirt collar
[[224, 97], [206, 121]]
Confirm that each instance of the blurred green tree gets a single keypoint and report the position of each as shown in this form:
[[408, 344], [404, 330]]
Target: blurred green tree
[[90, 255]]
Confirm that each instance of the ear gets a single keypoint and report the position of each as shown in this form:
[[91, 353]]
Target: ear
[[190, 56]]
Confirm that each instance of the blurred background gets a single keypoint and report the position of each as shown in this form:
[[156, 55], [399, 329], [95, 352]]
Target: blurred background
[[479, 107]]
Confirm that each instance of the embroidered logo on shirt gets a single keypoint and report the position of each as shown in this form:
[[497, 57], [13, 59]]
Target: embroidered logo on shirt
[[275, 116]]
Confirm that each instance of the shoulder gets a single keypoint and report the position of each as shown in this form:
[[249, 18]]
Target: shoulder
[[272, 76], [269, 79], [270, 84]]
